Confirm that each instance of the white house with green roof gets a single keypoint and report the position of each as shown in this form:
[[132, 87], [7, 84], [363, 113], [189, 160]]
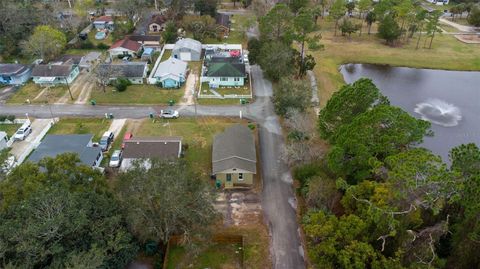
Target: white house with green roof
[[224, 74]]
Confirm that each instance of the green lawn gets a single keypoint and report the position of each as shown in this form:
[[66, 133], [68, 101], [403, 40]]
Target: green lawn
[[462, 21], [240, 91], [95, 126], [215, 256], [31, 90], [107, 41], [81, 51], [446, 53], [219, 102], [137, 94], [166, 55], [196, 133], [10, 129]]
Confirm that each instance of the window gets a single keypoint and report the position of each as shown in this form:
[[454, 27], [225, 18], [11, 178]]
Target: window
[[223, 79], [236, 79], [240, 176], [229, 177]]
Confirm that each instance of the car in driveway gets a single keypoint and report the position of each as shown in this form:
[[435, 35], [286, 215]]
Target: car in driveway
[[116, 159], [126, 137], [23, 131], [106, 140], [169, 114]]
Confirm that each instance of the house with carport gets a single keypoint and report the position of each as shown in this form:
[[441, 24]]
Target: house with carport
[[234, 157], [14, 74], [171, 73]]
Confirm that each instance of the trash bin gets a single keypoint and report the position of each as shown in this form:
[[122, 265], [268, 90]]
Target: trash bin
[[93, 102], [171, 102], [110, 116], [151, 115], [243, 101], [218, 183]]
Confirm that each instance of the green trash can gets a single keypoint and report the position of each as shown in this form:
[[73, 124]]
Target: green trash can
[[93, 102], [171, 102], [110, 116], [218, 184], [243, 101]]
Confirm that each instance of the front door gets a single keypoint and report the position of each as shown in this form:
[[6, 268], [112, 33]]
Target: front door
[[228, 181]]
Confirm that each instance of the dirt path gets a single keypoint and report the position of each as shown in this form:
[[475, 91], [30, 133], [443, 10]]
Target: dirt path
[[188, 97], [40, 94], [461, 28], [80, 88]]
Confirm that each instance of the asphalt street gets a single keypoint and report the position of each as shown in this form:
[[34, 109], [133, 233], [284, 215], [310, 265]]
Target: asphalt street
[[278, 199]]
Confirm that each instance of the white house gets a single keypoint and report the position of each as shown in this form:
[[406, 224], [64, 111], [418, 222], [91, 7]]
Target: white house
[[125, 47], [146, 148], [171, 73], [187, 49], [104, 22], [55, 74]]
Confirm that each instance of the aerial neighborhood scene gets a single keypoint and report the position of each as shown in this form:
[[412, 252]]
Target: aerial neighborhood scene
[[148, 134]]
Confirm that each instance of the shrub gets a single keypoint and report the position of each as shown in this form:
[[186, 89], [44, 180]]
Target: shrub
[[87, 44], [11, 118], [3, 118], [102, 46], [305, 172], [121, 84]]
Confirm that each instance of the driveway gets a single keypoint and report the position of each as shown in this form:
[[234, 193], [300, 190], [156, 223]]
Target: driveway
[[81, 87], [459, 27], [6, 92], [278, 199], [21, 149]]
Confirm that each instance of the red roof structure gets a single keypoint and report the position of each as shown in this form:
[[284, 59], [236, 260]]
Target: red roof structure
[[127, 44], [104, 18]]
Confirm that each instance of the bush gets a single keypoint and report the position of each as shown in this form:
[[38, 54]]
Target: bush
[[3, 118], [291, 94], [305, 172], [87, 44], [121, 84], [11, 118], [102, 46]]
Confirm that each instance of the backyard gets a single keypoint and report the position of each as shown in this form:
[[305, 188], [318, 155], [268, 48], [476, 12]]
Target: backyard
[[214, 256], [37, 94], [137, 94], [370, 49], [239, 24], [95, 126]]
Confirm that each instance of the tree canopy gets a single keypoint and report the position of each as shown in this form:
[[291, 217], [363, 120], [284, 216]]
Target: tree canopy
[[46, 42]]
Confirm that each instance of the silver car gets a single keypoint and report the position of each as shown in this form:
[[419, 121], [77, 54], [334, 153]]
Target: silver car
[[116, 159], [169, 114]]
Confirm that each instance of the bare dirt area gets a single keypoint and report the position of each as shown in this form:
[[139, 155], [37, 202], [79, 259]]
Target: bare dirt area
[[80, 89], [239, 207], [469, 39]]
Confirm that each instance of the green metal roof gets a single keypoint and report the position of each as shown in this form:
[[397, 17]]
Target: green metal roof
[[226, 70]]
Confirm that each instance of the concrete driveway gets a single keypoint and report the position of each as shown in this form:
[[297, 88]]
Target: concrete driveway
[[21, 149]]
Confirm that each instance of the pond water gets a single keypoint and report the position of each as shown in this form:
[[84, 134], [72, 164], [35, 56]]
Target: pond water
[[450, 100]]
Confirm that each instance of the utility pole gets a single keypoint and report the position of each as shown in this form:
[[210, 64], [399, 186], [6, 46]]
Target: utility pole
[[68, 87]]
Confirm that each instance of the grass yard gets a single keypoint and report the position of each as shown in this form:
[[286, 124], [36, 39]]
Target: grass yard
[[166, 55], [239, 24], [107, 41], [227, 91], [462, 21], [10, 129], [219, 102], [95, 126], [446, 53], [214, 256], [196, 133], [33, 92], [81, 51], [448, 28], [137, 94]]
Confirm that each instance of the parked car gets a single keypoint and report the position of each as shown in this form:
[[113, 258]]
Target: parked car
[[169, 114], [23, 131], [126, 137], [106, 140], [116, 159]]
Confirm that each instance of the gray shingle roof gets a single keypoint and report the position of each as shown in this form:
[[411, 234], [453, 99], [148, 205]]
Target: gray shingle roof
[[152, 147], [234, 148], [53, 145], [171, 66], [12, 69], [189, 43], [52, 70], [130, 70]]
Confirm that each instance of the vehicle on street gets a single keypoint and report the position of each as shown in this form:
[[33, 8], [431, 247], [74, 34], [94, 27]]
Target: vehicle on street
[[106, 140], [23, 131], [126, 137], [169, 114], [116, 159]]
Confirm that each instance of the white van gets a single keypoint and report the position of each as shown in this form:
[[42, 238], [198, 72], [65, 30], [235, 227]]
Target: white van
[[23, 131]]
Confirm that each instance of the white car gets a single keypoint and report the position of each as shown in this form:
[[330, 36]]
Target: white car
[[116, 159], [23, 131], [106, 140], [169, 114]]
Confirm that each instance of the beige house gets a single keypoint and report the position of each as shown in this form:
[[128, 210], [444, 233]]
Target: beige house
[[234, 158]]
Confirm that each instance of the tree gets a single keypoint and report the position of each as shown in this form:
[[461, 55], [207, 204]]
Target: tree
[[363, 7], [420, 19], [370, 19], [296, 5], [305, 64], [200, 26], [130, 8], [347, 27], [170, 33], [166, 199], [432, 25], [347, 103], [206, 7], [104, 73], [254, 46], [4, 154], [303, 24], [389, 29], [402, 11], [337, 11], [474, 16], [121, 84], [54, 227], [350, 7], [45, 42], [291, 94], [371, 137], [466, 159], [276, 59], [277, 25]]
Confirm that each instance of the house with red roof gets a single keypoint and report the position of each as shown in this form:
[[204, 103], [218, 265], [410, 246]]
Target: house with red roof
[[125, 47], [104, 22]]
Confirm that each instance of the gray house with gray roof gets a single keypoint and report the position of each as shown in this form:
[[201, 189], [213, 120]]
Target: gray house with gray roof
[[53, 145], [234, 157], [171, 73], [135, 72], [187, 49]]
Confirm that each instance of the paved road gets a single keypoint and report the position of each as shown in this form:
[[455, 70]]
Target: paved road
[[278, 198]]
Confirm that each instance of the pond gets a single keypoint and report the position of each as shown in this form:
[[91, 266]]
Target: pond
[[450, 100]]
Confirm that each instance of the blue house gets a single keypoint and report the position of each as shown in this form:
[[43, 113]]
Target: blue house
[[171, 73], [14, 74]]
